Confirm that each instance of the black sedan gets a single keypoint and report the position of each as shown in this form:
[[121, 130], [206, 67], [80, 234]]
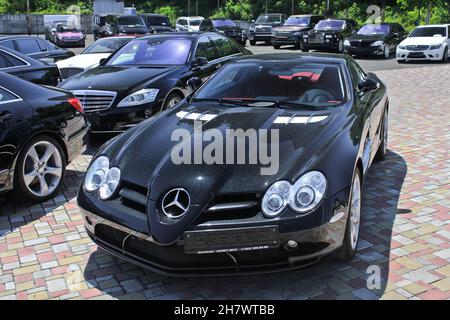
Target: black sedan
[[193, 191], [328, 35], [375, 40], [291, 33], [27, 68], [120, 26], [227, 27], [36, 48], [147, 75], [42, 130]]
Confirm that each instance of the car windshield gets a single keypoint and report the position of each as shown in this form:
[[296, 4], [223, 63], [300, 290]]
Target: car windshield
[[62, 29], [330, 24], [297, 21], [106, 45], [428, 32], [223, 23], [369, 29], [269, 19], [293, 83], [158, 21], [130, 21], [153, 51], [195, 23]]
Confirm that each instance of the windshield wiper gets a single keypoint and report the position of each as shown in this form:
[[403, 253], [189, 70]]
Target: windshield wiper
[[259, 103]]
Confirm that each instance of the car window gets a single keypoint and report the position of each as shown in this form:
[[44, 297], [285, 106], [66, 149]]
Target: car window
[[6, 96], [224, 46], [27, 46], [206, 49], [182, 22], [7, 61], [8, 44], [356, 73]]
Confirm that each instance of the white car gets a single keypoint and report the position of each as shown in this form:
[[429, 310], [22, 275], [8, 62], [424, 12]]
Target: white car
[[430, 42], [91, 56], [188, 24]]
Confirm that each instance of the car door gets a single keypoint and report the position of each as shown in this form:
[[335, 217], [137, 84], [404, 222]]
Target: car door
[[226, 49], [206, 49]]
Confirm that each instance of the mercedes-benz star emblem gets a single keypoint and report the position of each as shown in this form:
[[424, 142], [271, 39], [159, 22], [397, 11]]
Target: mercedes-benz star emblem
[[176, 203]]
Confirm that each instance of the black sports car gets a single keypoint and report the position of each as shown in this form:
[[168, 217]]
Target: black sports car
[[225, 26], [261, 29], [42, 129], [375, 40], [291, 33], [27, 68], [147, 75], [192, 190], [328, 35], [36, 48]]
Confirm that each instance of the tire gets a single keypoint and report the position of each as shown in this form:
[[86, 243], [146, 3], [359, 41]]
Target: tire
[[276, 46], [386, 52], [40, 169], [171, 100], [401, 61], [351, 236], [83, 44], [297, 46], [244, 43], [445, 56], [253, 42], [382, 149], [341, 48]]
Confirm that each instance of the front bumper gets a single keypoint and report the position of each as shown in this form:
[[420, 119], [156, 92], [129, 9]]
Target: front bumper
[[328, 44], [136, 245], [291, 40], [431, 55], [71, 43], [259, 36], [365, 51]]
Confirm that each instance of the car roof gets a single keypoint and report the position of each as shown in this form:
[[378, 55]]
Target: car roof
[[303, 57], [22, 56], [19, 37]]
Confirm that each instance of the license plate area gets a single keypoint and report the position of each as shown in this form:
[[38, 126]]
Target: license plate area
[[231, 240]]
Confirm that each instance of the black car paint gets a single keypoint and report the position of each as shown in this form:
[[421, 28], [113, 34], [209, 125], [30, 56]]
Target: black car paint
[[361, 44], [236, 33], [345, 142], [337, 36], [48, 52], [40, 110], [30, 69], [259, 32], [284, 35], [128, 79], [112, 27], [156, 28]]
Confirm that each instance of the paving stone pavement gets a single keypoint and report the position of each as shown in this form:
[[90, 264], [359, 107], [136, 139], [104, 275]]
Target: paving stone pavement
[[45, 252]]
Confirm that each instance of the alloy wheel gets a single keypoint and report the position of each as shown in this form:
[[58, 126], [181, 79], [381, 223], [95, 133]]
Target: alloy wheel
[[355, 212], [42, 170], [386, 51], [341, 46]]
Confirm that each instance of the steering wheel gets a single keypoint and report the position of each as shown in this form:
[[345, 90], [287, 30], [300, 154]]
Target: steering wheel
[[317, 96]]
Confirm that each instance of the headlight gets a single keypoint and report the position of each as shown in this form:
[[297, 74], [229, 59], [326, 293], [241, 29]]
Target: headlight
[[346, 43], [302, 197], [402, 47], [377, 44], [328, 36], [139, 97], [436, 46], [251, 28], [102, 178], [305, 36]]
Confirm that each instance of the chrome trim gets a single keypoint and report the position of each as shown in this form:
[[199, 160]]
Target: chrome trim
[[12, 93], [232, 206], [175, 202], [26, 64], [100, 95]]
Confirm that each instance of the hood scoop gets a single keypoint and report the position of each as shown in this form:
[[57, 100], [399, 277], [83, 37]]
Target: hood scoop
[[196, 116]]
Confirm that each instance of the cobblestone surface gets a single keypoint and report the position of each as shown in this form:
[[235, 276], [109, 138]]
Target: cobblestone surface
[[45, 252]]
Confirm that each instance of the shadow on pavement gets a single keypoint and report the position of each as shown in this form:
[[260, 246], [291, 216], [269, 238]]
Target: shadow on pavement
[[328, 279]]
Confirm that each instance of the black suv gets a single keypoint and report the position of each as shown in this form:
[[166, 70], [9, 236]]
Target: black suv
[[121, 26], [261, 29], [376, 40], [329, 35], [157, 23], [294, 28]]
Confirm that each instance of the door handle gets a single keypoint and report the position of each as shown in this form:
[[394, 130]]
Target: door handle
[[4, 116]]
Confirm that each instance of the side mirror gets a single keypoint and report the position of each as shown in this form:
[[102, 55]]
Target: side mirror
[[194, 83], [102, 62], [199, 61], [368, 85]]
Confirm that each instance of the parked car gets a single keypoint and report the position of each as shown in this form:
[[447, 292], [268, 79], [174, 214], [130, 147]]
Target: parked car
[[42, 130], [50, 30], [261, 30], [121, 26], [157, 23], [91, 56], [67, 36], [375, 40], [36, 48], [291, 33], [27, 68], [225, 26], [147, 75], [183, 219], [329, 35], [429, 42], [188, 24]]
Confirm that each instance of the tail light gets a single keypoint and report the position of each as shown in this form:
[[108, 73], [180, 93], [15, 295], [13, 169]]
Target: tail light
[[76, 103]]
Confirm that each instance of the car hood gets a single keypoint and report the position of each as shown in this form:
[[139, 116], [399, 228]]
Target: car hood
[[144, 156], [372, 37], [84, 61], [290, 28], [423, 41], [114, 78]]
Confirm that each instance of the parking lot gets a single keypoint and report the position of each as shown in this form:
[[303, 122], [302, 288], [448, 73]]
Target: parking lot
[[46, 253]]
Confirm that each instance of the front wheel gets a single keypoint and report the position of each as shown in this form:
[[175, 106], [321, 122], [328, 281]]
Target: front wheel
[[341, 46], [401, 61], [171, 101], [382, 149], [276, 46], [386, 51], [253, 42], [40, 169], [445, 56]]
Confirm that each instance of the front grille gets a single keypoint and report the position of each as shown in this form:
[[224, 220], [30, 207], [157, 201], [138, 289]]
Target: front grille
[[417, 48], [69, 72], [317, 38], [358, 43], [95, 100], [283, 34], [263, 29], [232, 33]]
